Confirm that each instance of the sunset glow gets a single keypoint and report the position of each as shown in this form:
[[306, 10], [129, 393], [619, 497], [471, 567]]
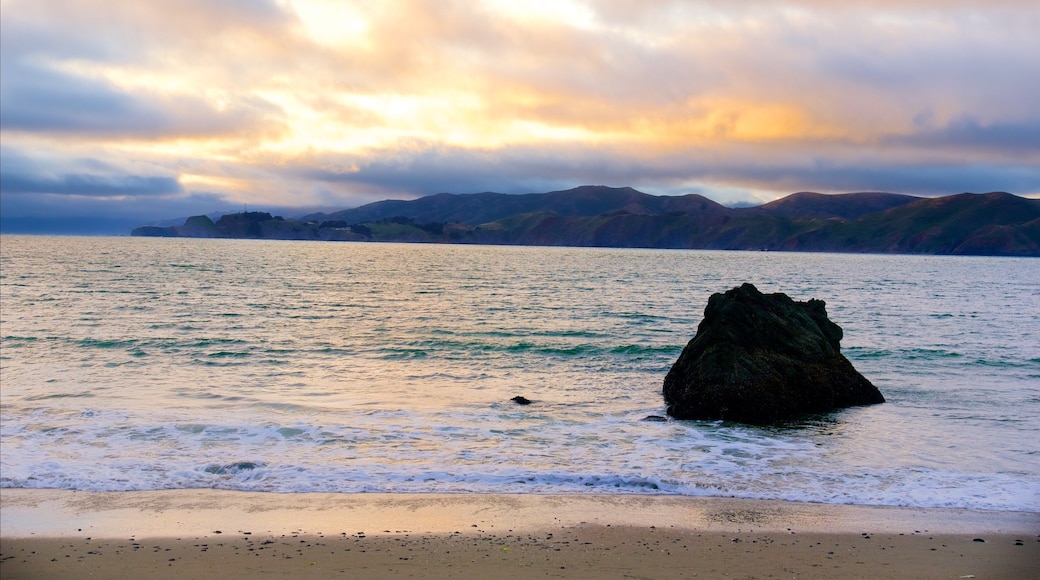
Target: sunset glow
[[197, 106]]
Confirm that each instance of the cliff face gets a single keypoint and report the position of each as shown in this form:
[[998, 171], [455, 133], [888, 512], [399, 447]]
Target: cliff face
[[967, 224], [199, 226], [254, 225], [243, 225]]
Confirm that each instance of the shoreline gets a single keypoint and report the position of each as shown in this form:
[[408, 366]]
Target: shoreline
[[58, 513], [210, 533]]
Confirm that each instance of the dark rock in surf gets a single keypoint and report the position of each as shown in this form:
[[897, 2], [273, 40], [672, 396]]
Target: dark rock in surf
[[232, 468], [519, 400], [654, 419], [763, 358]]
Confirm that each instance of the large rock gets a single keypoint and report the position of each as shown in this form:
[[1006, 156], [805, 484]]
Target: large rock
[[762, 358]]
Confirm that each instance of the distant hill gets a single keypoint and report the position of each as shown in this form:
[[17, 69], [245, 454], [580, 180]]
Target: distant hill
[[806, 204], [479, 208], [865, 222], [965, 224]]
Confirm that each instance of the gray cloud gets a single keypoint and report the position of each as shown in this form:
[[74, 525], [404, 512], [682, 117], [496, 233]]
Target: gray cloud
[[129, 210], [89, 185], [837, 176], [727, 177], [42, 100], [917, 96], [49, 185], [969, 133], [131, 32], [27, 171]]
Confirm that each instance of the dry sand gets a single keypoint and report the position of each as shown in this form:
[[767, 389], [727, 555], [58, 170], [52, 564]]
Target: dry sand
[[218, 534]]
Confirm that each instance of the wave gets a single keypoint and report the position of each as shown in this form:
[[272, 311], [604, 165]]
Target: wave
[[105, 344], [382, 388], [18, 339], [411, 452], [82, 395], [983, 491], [904, 354], [217, 348]]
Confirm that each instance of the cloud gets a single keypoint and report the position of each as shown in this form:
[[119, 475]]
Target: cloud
[[969, 134], [919, 179], [39, 171], [135, 206], [126, 32], [148, 71], [89, 185], [39, 99], [299, 102], [49, 184], [730, 175]]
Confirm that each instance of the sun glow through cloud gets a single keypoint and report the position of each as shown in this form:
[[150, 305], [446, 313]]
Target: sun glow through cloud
[[302, 102], [331, 22]]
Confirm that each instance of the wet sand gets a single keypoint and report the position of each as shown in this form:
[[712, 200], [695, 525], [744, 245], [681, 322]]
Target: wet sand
[[218, 534]]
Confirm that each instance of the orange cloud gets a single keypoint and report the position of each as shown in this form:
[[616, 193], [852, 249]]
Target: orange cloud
[[307, 98]]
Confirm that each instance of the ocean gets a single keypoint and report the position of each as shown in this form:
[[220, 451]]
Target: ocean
[[143, 364]]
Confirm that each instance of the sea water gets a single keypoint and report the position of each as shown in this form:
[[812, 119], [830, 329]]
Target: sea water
[[142, 364]]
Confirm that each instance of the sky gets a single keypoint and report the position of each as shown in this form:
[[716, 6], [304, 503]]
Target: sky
[[140, 111]]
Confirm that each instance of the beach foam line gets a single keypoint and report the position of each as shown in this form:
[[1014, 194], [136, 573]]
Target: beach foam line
[[63, 513]]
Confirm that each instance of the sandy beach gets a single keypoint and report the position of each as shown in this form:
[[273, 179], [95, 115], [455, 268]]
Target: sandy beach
[[209, 534]]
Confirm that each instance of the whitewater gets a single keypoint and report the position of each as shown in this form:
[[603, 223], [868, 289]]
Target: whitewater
[[274, 366]]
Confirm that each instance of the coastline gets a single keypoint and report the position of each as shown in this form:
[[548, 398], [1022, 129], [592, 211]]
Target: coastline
[[180, 533]]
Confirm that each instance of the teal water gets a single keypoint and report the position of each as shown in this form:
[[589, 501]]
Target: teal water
[[135, 363]]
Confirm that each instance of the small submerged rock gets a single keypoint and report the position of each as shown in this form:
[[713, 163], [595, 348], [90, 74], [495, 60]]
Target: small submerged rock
[[232, 468], [521, 400]]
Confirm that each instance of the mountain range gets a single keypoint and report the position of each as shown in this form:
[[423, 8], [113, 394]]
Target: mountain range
[[994, 223]]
